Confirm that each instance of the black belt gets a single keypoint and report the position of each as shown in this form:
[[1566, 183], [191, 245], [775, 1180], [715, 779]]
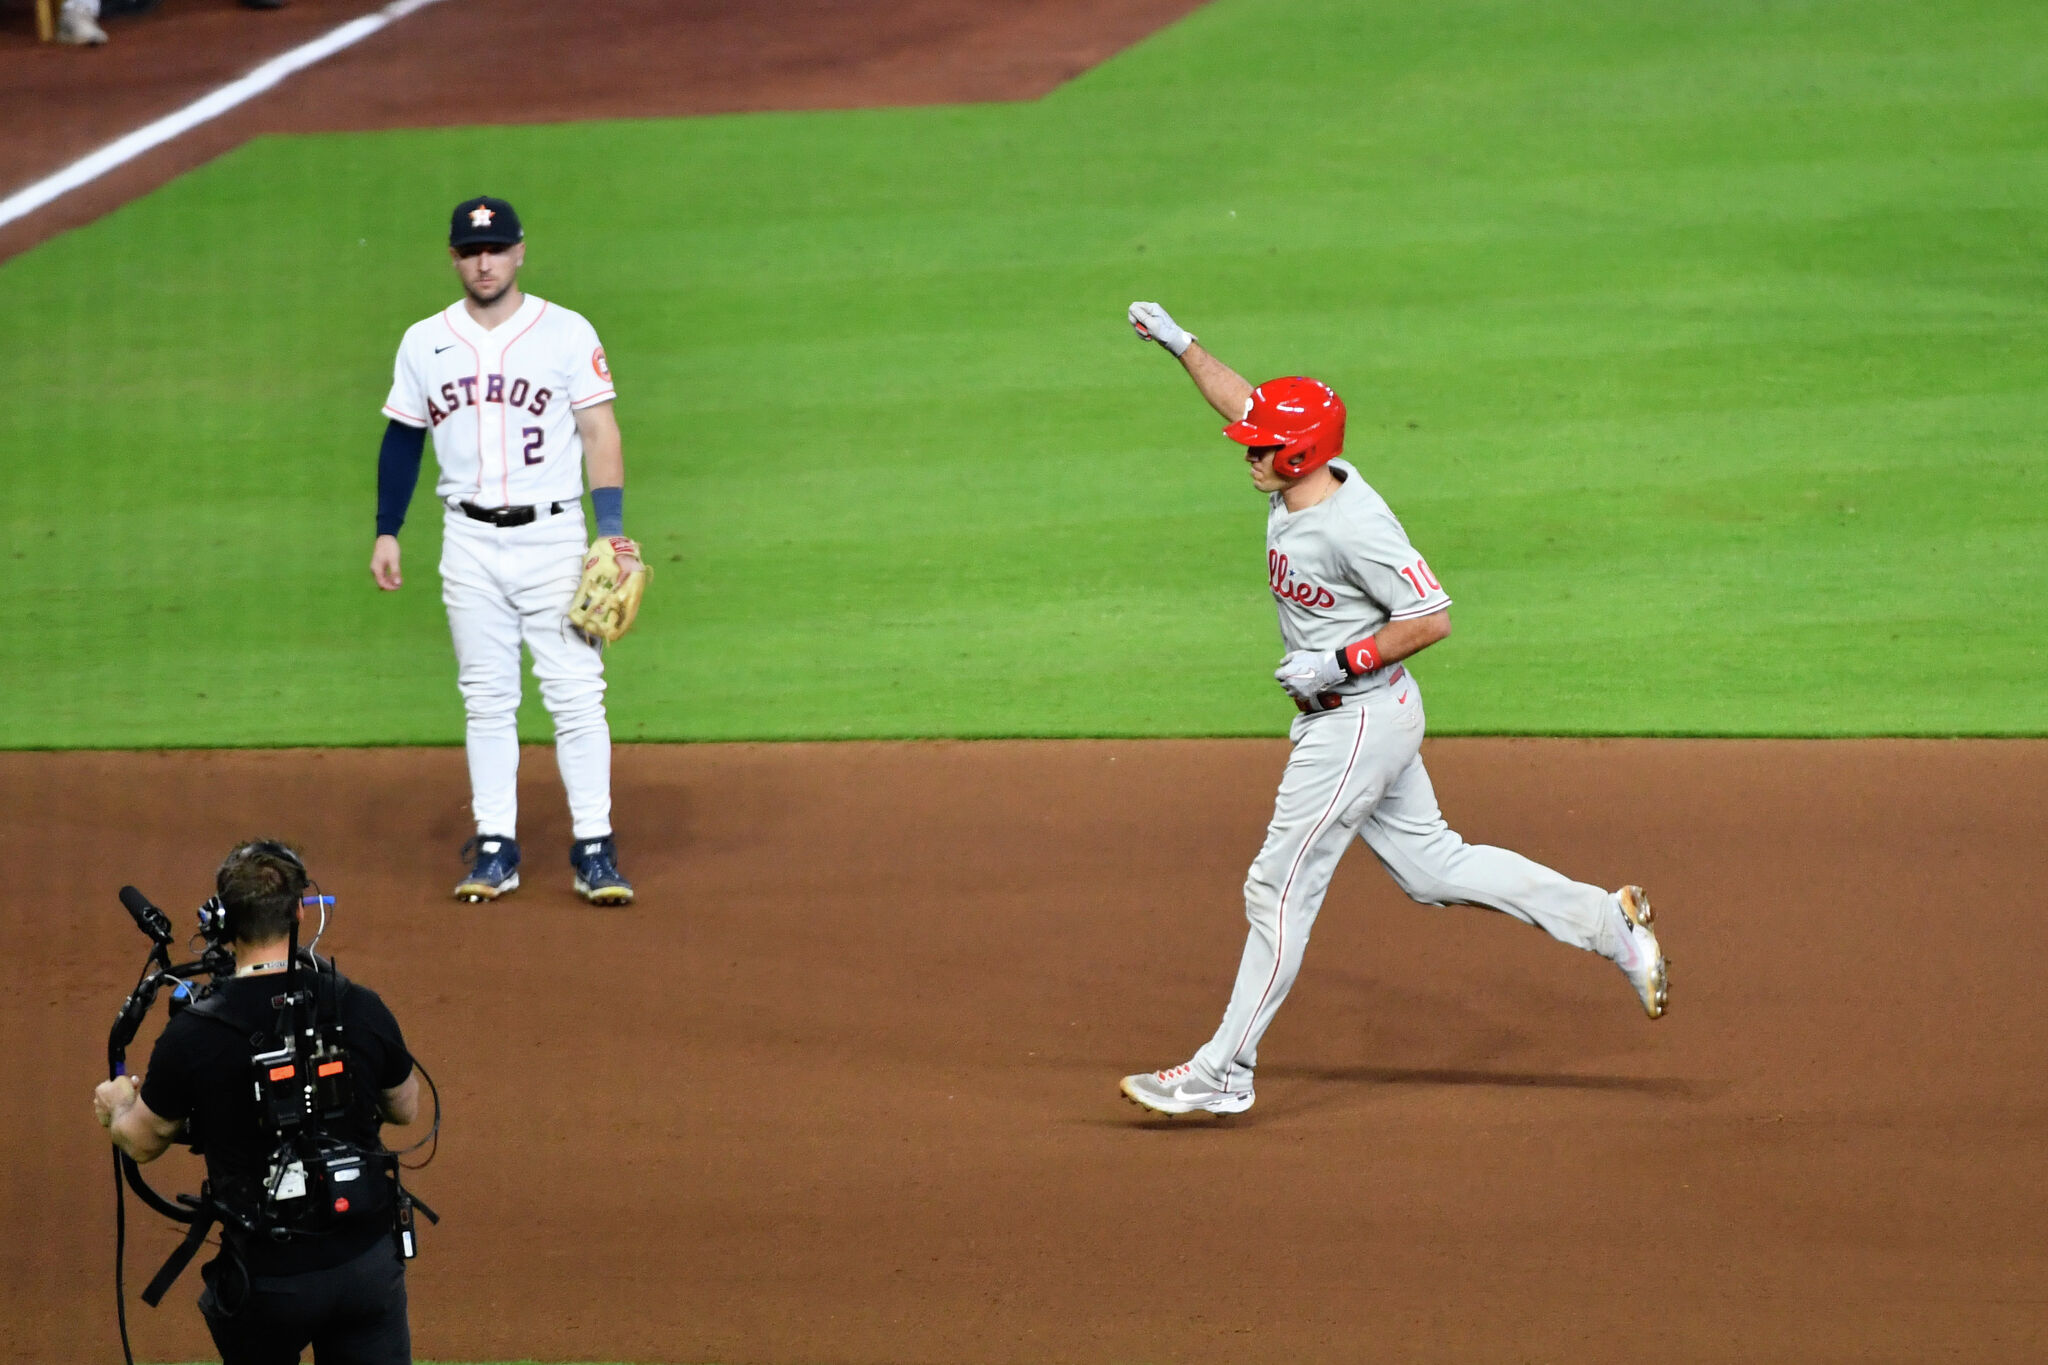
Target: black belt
[[505, 516]]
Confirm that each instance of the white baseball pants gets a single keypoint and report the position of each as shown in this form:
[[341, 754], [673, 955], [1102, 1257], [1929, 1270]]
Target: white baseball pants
[[502, 585], [1358, 772]]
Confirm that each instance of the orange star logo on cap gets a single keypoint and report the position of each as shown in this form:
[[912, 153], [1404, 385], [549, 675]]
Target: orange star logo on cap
[[481, 216]]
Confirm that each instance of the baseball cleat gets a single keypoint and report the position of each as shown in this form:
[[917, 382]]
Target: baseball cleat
[[597, 872], [79, 30], [1178, 1090], [1642, 958], [495, 872]]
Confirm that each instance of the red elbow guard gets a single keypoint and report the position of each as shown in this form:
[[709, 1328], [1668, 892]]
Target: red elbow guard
[[1360, 657]]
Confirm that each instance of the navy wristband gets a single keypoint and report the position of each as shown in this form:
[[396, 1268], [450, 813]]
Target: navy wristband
[[610, 506]]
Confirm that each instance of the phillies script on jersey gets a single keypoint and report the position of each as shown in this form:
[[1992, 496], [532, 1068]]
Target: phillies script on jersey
[[1303, 592], [1341, 569]]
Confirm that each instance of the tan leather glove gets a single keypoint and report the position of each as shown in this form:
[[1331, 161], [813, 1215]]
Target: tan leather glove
[[606, 600]]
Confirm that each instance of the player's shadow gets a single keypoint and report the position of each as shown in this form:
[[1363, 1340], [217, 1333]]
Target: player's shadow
[[1455, 1076], [1291, 1101]]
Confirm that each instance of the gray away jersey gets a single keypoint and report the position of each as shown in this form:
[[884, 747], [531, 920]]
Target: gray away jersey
[[1342, 569]]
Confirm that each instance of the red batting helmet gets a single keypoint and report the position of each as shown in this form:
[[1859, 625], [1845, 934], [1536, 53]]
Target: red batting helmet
[[1304, 417]]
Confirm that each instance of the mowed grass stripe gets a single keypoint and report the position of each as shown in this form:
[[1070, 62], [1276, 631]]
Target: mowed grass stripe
[[1698, 348]]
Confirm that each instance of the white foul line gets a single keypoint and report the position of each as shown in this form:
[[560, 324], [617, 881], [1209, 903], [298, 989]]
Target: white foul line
[[210, 106]]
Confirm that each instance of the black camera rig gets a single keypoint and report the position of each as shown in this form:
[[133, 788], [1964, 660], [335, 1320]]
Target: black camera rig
[[318, 1182]]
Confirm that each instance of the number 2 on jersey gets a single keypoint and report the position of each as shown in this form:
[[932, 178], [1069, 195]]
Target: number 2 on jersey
[[534, 436], [1421, 579]]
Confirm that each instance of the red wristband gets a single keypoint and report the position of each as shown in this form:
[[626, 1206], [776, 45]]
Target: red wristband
[[1361, 657]]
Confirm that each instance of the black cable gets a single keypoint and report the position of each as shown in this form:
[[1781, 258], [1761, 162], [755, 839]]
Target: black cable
[[120, 1257], [433, 1134], [139, 1183]]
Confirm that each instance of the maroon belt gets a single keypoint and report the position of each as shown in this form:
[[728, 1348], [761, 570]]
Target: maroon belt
[[1331, 701]]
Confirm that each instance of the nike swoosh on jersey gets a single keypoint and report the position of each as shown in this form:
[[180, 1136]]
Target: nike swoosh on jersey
[[448, 347]]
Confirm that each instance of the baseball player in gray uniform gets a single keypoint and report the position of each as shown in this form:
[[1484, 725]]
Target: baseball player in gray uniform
[[1355, 600]]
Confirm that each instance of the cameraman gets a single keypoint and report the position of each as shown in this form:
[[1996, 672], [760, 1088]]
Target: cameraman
[[266, 1299]]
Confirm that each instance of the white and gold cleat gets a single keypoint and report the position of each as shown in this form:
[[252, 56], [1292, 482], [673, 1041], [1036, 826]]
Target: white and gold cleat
[[1642, 957], [1178, 1090]]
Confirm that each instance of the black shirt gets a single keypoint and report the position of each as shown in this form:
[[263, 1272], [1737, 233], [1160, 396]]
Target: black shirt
[[199, 1072]]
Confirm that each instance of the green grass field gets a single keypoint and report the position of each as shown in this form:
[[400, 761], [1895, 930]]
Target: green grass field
[[1699, 345]]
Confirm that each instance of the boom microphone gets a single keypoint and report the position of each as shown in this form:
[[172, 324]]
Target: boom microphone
[[147, 917]]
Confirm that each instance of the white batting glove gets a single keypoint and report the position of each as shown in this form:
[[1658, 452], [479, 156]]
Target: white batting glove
[[1308, 673], [1153, 324]]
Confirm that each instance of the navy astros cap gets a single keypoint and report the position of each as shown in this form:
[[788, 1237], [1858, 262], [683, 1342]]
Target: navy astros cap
[[484, 220]]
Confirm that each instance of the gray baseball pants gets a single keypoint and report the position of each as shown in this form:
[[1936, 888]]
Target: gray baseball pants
[[1357, 773]]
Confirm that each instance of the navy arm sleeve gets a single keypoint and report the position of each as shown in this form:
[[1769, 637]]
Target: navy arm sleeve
[[398, 473]]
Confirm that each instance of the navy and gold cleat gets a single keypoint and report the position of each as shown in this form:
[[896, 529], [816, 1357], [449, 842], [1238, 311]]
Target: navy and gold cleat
[[597, 872], [495, 872]]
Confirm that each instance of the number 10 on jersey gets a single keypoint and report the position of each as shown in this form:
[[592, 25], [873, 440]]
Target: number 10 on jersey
[[1418, 575]]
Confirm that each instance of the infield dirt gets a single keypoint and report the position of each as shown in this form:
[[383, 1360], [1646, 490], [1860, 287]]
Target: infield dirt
[[842, 1085]]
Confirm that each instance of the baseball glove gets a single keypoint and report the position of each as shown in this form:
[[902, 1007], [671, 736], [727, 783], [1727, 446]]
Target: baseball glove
[[606, 600]]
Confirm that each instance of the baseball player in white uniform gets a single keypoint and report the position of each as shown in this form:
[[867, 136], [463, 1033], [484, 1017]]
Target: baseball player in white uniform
[[518, 396], [1355, 600]]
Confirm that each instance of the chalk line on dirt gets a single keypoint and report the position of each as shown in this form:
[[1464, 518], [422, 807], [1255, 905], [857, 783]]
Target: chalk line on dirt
[[208, 106]]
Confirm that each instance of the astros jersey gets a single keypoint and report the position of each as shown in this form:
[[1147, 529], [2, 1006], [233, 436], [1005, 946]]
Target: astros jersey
[[1343, 568], [501, 403]]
